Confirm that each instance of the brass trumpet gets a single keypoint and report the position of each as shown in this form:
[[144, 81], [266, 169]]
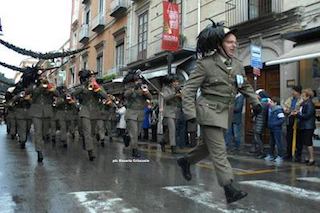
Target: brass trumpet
[[144, 87], [90, 87], [22, 94]]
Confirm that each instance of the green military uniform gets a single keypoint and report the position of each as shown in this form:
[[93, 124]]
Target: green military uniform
[[101, 121], [23, 118], [88, 111], [41, 112], [53, 124], [135, 114], [66, 118], [170, 110], [11, 119], [213, 109]]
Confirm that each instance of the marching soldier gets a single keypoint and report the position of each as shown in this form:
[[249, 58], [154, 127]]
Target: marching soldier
[[22, 103], [219, 75], [41, 111], [136, 98], [66, 108], [10, 115], [89, 94], [172, 98], [101, 121]]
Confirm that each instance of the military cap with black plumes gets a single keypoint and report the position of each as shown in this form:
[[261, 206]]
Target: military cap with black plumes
[[211, 37], [132, 76], [85, 74]]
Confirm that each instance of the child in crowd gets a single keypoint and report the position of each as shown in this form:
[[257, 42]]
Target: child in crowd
[[276, 118]]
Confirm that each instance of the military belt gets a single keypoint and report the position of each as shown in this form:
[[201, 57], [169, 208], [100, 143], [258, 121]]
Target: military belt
[[221, 99]]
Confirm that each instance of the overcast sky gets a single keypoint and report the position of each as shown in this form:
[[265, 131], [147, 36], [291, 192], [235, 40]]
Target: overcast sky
[[39, 25]]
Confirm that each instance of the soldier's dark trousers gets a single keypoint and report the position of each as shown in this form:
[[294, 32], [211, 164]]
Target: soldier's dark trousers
[[170, 133], [23, 129], [100, 129], [41, 126], [63, 130], [87, 133], [213, 145], [13, 126], [134, 128]]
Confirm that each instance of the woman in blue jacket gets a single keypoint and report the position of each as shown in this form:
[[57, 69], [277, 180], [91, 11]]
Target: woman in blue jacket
[[306, 124]]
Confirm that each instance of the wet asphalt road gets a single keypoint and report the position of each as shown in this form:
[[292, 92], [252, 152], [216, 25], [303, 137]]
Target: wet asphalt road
[[68, 182]]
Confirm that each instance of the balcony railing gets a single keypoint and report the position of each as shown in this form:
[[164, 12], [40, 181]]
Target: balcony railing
[[98, 23], [134, 54], [84, 33], [118, 8], [239, 11]]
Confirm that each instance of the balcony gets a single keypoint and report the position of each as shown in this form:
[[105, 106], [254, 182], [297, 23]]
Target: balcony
[[98, 23], [134, 54], [85, 1], [84, 33], [118, 8], [239, 11]]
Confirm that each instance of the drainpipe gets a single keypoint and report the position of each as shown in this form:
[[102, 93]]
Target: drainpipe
[[199, 16], [130, 33]]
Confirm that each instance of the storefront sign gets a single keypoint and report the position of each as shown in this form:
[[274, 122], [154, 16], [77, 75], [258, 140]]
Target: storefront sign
[[170, 36]]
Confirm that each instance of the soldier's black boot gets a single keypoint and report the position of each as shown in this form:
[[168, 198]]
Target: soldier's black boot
[[173, 150], [233, 194], [40, 156], [13, 137], [53, 140], [110, 139], [102, 142], [22, 145], [163, 146], [135, 153], [185, 167], [65, 145], [91, 155]]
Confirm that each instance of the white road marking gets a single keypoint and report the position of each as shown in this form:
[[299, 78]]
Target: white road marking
[[290, 190], [207, 198], [6, 203], [103, 201], [310, 179]]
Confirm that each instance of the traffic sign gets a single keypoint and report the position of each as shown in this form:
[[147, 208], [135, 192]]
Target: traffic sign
[[256, 60]]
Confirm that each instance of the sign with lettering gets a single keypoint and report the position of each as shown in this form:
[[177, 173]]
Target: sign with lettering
[[170, 35]]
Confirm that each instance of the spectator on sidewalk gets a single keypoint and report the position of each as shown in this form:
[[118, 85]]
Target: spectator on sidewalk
[[146, 120], [259, 123], [276, 118], [121, 125], [154, 121], [306, 125], [233, 134], [291, 104]]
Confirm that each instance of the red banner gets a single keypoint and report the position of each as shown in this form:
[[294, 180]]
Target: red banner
[[170, 36]]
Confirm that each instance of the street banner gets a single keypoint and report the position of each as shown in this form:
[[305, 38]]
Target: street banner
[[170, 36]]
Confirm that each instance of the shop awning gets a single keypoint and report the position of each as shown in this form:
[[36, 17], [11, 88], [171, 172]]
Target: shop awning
[[163, 70], [300, 52], [158, 71]]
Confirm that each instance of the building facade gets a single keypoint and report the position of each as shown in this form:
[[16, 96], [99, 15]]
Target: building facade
[[129, 37], [99, 25]]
